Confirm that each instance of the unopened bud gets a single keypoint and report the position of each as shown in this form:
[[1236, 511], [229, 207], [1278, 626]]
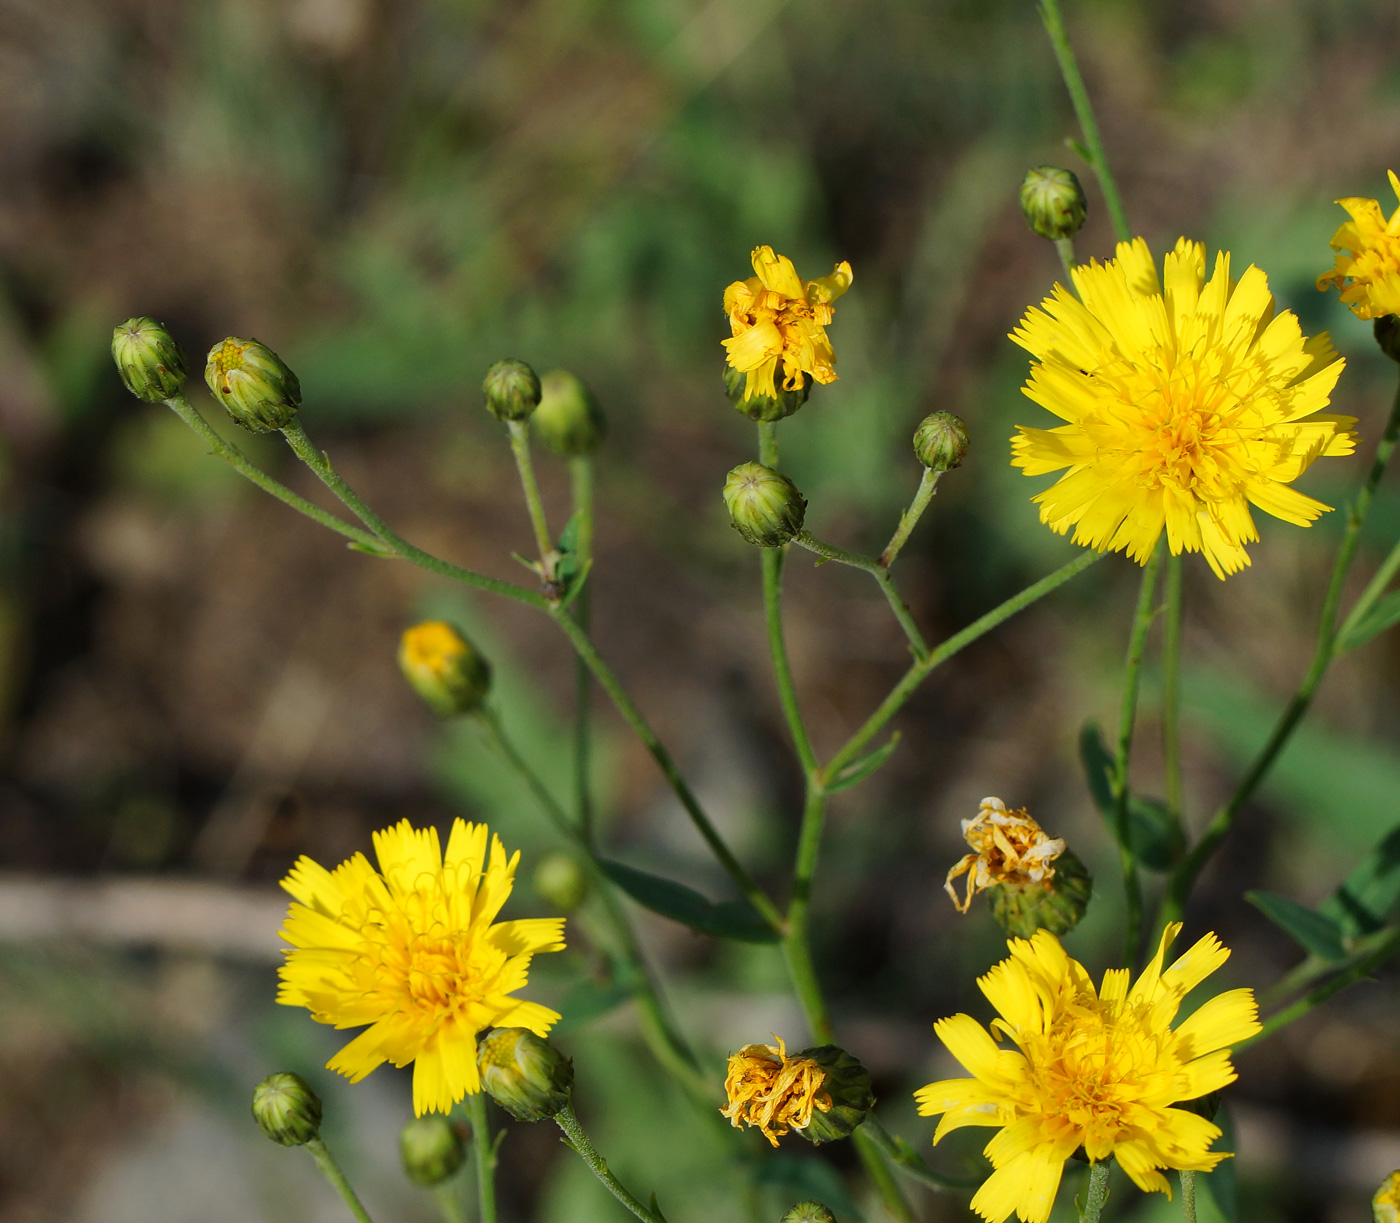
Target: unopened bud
[[764, 505], [940, 441], [847, 1085], [1385, 1206], [524, 1074], [253, 383], [764, 407], [431, 1150], [1386, 329], [444, 668], [1055, 903], [1053, 202], [560, 880], [808, 1212], [287, 1109], [148, 359], [512, 390], [568, 420]]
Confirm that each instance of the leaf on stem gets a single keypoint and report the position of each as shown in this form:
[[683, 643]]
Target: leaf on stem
[[1383, 613], [1369, 897], [731, 919], [861, 768], [1154, 836], [1315, 933]]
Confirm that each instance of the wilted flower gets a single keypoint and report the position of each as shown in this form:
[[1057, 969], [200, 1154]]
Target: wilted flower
[[1007, 847]]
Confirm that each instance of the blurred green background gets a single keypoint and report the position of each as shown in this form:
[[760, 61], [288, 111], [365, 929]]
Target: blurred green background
[[196, 685]]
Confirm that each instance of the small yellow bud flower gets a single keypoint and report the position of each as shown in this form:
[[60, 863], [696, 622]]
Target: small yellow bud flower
[[525, 1075], [287, 1109], [1385, 1206], [1008, 847], [512, 390], [1053, 202], [148, 359], [940, 441], [568, 420], [779, 320], [253, 383], [444, 668], [431, 1150], [1367, 267], [823, 1093], [764, 505]]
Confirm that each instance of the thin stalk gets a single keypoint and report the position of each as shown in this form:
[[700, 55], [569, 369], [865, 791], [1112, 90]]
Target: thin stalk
[[1084, 112], [917, 673], [578, 1142], [787, 692], [581, 478], [797, 949], [1374, 589], [240, 462], [1064, 247], [903, 1156], [449, 1200], [1127, 717], [883, 1178], [321, 1153], [909, 519], [1183, 879], [484, 1151], [1171, 688], [520, 447], [768, 443], [1188, 1194], [882, 577], [1097, 1194]]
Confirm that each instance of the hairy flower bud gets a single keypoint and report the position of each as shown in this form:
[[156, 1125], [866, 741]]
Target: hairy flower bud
[[148, 359], [253, 383], [764, 407], [287, 1109], [1055, 903], [940, 441], [764, 505], [431, 1150], [512, 390], [561, 881], [808, 1212], [1053, 202], [1385, 1206], [847, 1086], [568, 420], [444, 668], [524, 1074]]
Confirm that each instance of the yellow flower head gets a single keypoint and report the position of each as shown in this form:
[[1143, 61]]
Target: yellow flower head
[[1008, 847], [779, 318], [414, 950], [1385, 1206], [773, 1091], [1093, 1069], [1367, 270], [1183, 406]]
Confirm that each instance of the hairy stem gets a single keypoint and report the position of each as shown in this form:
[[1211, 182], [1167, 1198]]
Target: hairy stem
[[321, 1153], [484, 1152], [1064, 247], [1188, 1194], [1097, 1194], [449, 1199], [787, 693], [879, 1173], [581, 478], [520, 447], [579, 1143], [882, 577], [909, 519], [1171, 689]]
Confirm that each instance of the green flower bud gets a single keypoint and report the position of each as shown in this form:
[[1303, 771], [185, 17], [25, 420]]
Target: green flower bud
[[148, 359], [561, 881], [568, 420], [524, 1074], [761, 407], [1053, 202], [1055, 904], [1386, 329], [808, 1212], [444, 668], [764, 505], [287, 1109], [431, 1150], [1385, 1206], [254, 385], [847, 1083], [940, 441], [512, 390]]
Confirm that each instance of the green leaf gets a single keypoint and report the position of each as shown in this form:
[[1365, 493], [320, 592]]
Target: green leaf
[[1156, 839], [1098, 767], [861, 768], [1318, 935], [732, 919], [1369, 897], [1383, 613]]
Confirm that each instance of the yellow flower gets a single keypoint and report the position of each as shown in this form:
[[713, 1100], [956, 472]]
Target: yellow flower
[[779, 318], [1098, 1070], [1385, 1206], [413, 950], [1183, 407], [1008, 847], [775, 1092], [1367, 270]]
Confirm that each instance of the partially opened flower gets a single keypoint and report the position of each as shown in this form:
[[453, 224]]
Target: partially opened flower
[[1367, 268], [1098, 1069], [779, 322], [414, 950], [1185, 402]]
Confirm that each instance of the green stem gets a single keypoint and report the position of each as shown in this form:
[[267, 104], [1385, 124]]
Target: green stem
[[321, 1153], [1127, 717], [787, 692], [236, 459], [321, 467], [1084, 112], [1171, 689], [1188, 1194], [1183, 879], [909, 518], [882, 1177], [768, 443], [1097, 1194], [520, 447], [581, 477], [882, 577], [484, 1151], [903, 1156], [1064, 247], [578, 1141], [449, 1200], [797, 948], [917, 673]]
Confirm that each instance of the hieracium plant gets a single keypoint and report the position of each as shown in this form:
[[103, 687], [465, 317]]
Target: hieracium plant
[[1183, 400]]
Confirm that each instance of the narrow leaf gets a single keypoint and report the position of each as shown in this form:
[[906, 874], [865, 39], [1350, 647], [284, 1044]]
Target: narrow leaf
[[1098, 766], [732, 919], [1384, 612], [861, 768], [1156, 839], [1318, 935], [1370, 896]]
